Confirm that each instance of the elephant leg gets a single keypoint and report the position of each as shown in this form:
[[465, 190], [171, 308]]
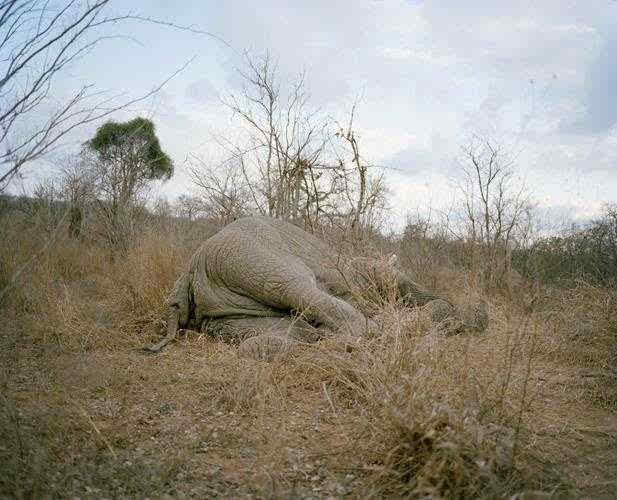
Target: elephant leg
[[287, 284], [321, 308], [265, 347], [412, 293], [475, 316], [454, 320], [264, 338], [237, 330]]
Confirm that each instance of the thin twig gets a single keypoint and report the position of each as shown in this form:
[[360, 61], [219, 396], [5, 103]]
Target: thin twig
[[325, 391]]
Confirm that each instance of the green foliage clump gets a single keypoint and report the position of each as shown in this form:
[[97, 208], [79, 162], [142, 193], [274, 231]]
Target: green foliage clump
[[134, 143]]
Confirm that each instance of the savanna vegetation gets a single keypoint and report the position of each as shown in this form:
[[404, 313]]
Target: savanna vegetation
[[87, 259]]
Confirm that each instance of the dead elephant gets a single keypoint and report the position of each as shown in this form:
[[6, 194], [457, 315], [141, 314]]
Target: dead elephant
[[266, 283]]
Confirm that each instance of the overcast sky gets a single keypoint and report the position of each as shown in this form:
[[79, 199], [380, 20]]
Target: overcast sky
[[538, 76]]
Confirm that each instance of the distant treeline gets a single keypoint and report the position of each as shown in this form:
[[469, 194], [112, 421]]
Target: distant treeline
[[588, 254]]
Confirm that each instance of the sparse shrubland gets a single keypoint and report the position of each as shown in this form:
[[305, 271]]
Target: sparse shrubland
[[530, 405]]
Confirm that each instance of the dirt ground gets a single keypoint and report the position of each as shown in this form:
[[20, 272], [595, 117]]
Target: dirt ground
[[197, 421]]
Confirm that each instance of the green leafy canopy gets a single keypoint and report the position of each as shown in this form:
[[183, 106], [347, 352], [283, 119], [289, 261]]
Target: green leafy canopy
[[133, 141]]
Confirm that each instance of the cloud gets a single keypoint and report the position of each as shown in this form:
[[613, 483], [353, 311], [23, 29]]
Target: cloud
[[201, 91], [434, 156], [600, 98]]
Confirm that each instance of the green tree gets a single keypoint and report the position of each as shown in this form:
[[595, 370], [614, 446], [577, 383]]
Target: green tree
[[128, 155], [125, 158]]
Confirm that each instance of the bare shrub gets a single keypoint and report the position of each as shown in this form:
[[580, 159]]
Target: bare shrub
[[78, 190], [496, 209], [75, 297], [583, 335], [426, 250], [224, 192], [43, 210], [189, 207], [434, 417], [288, 163]]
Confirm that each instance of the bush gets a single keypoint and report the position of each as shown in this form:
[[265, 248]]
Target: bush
[[588, 254]]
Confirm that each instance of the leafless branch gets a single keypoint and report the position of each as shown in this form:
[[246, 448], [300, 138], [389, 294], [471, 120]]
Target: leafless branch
[[38, 40], [497, 211]]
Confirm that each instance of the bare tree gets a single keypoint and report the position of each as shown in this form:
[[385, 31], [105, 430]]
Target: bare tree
[[291, 165], [366, 194], [497, 210], [43, 207], [282, 161], [189, 207], [39, 39], [78, 191], [224, 192]]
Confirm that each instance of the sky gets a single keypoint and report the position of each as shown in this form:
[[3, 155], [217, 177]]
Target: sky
[[537, 77]]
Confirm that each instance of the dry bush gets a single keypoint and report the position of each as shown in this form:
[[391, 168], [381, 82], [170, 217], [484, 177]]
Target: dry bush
[[241, 385], [425, 257], [582, 323], [433, 417], [142, 280], [587, 252], [79, 295]]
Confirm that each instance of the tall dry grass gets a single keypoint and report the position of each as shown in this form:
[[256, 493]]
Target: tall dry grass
[[80, 295], [408, 413], [433, 416]]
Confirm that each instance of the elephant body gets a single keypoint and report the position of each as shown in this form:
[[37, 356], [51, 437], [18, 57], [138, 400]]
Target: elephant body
[[260, 276]]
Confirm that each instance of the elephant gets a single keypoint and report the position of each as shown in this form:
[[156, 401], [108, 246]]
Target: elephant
[[265, 283]]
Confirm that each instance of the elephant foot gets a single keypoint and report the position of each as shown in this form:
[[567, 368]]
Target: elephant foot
[[453, 320], [265, 347], [439, 310]]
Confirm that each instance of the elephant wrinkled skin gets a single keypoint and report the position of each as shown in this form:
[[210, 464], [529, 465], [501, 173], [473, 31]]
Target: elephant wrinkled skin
[[266, 283]]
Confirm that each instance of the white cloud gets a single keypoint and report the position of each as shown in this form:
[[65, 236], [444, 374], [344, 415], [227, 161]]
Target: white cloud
[[201, 91]]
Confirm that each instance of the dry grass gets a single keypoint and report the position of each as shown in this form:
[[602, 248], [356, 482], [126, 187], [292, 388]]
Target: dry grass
[[530, 405]]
